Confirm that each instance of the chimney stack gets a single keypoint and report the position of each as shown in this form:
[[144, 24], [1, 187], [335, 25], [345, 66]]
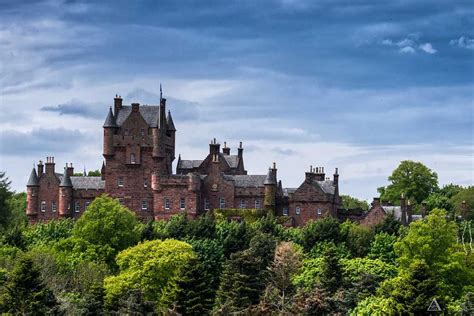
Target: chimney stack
[[135, 107], [117, 104], [40, 168], [376, 202], [49, 167], [214, 147], [225, 149], [240, 150]]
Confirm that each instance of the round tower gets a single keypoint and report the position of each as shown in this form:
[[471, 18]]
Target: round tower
[[109, 130], [65, 195], [32, 189]]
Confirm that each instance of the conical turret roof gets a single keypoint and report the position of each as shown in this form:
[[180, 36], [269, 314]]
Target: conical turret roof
[[170, 123], [33, 180], [110, 120], [66, 180], [270, 179]]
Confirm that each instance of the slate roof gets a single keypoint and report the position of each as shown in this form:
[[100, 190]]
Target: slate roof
[[150, 113], [232, 160], [87, 182], [397, 212], [327, 186], [247, 181], [170, 123], [189, 164], [270, 178], [110, 120], [33, 180], [66, 180]]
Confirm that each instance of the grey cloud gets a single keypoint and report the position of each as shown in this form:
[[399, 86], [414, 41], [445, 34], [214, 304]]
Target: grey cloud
[[463, 42], [39, 141], [284, 151], [78, 108]]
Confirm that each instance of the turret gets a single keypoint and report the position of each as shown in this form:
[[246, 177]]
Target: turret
[[110, 126], [65, 195], [32, 196], [270, 184], [171, 132]]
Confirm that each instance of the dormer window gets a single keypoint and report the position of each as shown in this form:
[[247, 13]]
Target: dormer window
[[133, 159]]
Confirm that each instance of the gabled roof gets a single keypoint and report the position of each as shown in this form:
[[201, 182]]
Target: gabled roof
[[189, 164], [110, 120], [150, 113], [246, 181], [33, 180], [88, 183]]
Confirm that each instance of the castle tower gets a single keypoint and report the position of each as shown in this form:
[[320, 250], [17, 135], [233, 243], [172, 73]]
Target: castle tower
[[110, 127], [270, 184], [32, 196], [171, 134], [65, 194]]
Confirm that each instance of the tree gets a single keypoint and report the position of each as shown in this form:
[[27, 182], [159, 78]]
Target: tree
[[47, 233], [331, 270], [5, 195], [466, 195], [17, 206], [25, 293], [326, 229], [413, 180], [233, 236], [349, 202], [154, 267], [134, 303], [107, 222], [389, 225], [382, 248], [357, 238]]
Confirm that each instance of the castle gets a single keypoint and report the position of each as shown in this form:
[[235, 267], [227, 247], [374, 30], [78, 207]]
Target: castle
[[139, 150]]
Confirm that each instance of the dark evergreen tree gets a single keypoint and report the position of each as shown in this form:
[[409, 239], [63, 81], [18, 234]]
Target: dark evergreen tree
[[389, 225], [5, 195], [25, 293], [94, 301], [331, 270], [204, 227], [134, 304], [327, 229], [147, 232]]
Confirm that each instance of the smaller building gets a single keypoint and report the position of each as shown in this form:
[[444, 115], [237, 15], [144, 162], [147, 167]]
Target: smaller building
[[379, 211]]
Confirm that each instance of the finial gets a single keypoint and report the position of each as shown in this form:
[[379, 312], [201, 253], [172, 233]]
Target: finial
[[161, 93]]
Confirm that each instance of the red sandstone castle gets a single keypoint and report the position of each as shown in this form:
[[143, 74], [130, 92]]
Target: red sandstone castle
[[139, 149]]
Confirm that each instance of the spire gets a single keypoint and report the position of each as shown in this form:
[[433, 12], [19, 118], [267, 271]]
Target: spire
[[66, 180], [33, 180], [84, 173], [161, 93], [270, 179], [110, 120], [169, 122]]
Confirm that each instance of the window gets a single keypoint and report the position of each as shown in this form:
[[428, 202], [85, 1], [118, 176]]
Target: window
[[144, 205], [133, 159], [222, 202], [167, 204], [319, 211], [53, 206], [87, 204], [257, 204], [206, 204], [142, 131], [285, 211], [182, 203], [120, 182], [298, 210], [43, 206], [242, 203], [77, 207], [145, 182]]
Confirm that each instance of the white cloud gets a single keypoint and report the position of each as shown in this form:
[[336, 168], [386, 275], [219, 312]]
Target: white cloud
[[427, 48], [407, 50], [463, 42]]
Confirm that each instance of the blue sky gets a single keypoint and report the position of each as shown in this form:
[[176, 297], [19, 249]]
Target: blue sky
[[350, 84]]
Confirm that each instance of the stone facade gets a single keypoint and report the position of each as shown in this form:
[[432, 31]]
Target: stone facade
[[139, 150]]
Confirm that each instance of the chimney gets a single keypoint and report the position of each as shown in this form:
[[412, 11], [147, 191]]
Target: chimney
[[70, 169], [274, 169], [163, 124], [40, 168], [49, 167], [336, 178], [464, 210], [319, 175], [376, 202], [214, 148], [117, 104], [240, 150], [135, 107], [403, 207], [225, 149], [309, 176]]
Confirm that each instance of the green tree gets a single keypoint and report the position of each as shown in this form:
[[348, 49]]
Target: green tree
[[382, 248], [107, 222], [413, 180], [5, 195], [326, 229], [466, 195], [25, 293], [94, 173], [357, 238], [331, 270], [17, 206], [47, 233], [155, 267], [233, 236], [389, 225], [349, 202]]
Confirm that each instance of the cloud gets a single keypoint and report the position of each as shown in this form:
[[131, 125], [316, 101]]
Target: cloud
[[407, 49], [427, 48], [40, 141], [77, 107], [463, 42]]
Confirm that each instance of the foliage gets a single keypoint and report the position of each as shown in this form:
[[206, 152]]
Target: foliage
[[154, 267], [25, 293], [413, 180], [107, 223], [357, 238], [349, 202], [389, 225], [5, 195], [47, 233], [17, 206], [248, 214], [466, 195], [377, 306], [326, 229], [382, 248], [233, 236]]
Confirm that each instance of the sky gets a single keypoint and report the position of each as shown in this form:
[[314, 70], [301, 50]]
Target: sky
[[357, 85]]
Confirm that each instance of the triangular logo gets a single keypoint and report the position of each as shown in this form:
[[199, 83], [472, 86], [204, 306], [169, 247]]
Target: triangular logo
[[434, 306]]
